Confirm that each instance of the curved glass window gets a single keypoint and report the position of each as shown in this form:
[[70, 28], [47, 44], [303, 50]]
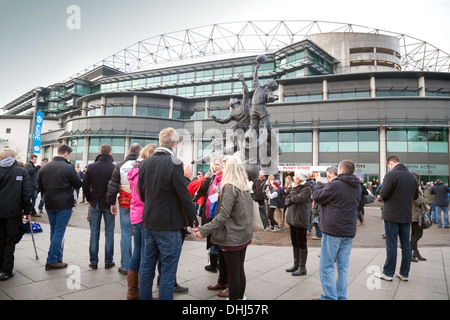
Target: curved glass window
[[417, 140], [153, 112], [77, 144]]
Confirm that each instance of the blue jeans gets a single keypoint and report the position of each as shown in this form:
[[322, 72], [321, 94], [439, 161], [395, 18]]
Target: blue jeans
[[164, 245], [395, 231], [439, 216], [95, 219], [432, 213], [334, 248], [139, 247], [126, 231], [58, 222]]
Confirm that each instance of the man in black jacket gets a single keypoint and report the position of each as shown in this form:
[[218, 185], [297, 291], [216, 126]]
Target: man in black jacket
[[57, 181], [95, 185], [339, 201], [400, 189], [32, 169], [259, 185], [167, 209], [15, 199], [441, 192]]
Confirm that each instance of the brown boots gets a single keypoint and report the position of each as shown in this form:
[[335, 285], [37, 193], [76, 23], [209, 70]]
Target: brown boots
[[133, 285]]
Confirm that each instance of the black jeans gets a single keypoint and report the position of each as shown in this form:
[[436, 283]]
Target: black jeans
[[236, 274], [416, 234], [9, 228], [298, 237]]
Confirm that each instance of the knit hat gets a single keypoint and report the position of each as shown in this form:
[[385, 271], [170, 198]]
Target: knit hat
[[303, 175], [276, 184]]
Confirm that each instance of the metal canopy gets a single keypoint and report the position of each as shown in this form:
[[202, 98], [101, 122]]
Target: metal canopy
[[255, 37]]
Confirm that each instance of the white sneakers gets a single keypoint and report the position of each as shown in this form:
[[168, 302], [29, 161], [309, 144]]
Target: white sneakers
[[387, 278]]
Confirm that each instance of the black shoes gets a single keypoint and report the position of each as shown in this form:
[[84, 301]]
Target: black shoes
[[6, 275]]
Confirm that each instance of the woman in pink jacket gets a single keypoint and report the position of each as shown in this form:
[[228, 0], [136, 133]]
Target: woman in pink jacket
[[136, 209]]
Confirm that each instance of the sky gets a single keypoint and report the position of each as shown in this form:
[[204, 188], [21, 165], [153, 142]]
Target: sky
[[43, 42]]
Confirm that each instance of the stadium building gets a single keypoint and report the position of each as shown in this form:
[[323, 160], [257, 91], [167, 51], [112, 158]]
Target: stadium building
[[345, 92]]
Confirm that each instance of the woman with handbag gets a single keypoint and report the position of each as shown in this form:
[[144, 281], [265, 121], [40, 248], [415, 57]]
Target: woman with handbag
[[420, 206], [231, 229]]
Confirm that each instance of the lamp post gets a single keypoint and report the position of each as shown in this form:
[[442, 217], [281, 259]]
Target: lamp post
[[33, 123]]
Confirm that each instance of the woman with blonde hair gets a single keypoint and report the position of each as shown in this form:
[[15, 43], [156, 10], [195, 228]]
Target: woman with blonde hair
[[231, 229], [136, 209]]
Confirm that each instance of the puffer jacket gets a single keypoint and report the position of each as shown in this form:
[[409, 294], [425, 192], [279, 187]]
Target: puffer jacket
[[297, 202], [339, 200], [232, 226], [15, 190], [57, 181], [136, 205]]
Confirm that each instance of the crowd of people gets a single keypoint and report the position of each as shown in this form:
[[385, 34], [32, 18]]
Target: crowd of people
[[158, 202]]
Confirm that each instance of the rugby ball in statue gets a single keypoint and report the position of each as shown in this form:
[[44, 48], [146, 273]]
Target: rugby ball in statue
[[261, 58]]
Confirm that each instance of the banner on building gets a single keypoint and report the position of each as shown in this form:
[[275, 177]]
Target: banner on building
[[37, 132]]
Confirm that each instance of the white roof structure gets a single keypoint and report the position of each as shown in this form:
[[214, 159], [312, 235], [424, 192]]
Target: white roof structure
[[255, 37]]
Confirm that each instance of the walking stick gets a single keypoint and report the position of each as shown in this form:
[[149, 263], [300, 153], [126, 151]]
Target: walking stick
[[32, 237]]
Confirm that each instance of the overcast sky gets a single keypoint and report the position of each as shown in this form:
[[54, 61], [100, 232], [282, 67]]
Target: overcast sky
[[38, 48]]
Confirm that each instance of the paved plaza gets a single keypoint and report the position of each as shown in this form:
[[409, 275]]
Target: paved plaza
[[267, 258]]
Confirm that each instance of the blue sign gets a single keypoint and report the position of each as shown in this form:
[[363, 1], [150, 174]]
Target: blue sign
[[37, 132]]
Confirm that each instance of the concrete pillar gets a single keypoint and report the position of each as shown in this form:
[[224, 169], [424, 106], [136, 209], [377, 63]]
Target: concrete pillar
[[85, 152], [206, 109], [421, 86], [135, 99], [325, 90], [103, 106], [84, 109], [315, 147], [373, 88], [280, 93], [383, 152], [127, 147], [171, 108]]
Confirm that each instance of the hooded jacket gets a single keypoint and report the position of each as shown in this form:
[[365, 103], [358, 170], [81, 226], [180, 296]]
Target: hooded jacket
[[15, 190], [136, 205], [339, 200], [400, 189], [96, 178]]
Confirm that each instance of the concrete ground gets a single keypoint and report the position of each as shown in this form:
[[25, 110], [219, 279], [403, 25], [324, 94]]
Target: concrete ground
[[266, 260]]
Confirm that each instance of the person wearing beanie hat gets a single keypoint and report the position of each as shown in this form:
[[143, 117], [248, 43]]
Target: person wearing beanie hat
[[297, 216], [303, 175]]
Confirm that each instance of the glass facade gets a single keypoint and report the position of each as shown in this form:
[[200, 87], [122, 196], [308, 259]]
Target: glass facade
[[299, 141], [348, 140], [77, 144], [117, 144], [433, 140]]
